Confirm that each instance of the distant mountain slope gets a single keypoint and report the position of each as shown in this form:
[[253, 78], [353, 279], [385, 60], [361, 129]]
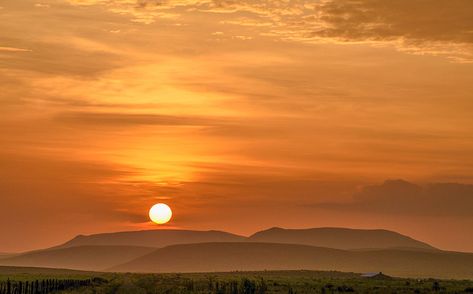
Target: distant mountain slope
[[4, 255], [339, 238], [27, 272], [91, 258], [152, 238], [209, 257]]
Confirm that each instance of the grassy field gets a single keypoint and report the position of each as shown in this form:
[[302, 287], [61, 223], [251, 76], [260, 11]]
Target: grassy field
[[241, 282]]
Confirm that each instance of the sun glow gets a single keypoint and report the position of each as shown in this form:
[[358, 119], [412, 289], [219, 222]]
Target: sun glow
[[160, 213]]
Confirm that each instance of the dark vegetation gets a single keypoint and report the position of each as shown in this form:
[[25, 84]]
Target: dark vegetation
[[286, 282], [46, 286]]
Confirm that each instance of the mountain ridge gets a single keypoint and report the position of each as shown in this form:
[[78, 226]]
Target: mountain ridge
[[341, 238], [327, 248], [150, 238], [332, 237]]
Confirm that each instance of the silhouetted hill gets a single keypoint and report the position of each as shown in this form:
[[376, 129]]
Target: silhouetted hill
[[210, 257], [152, 238], [4, 255], [339, 238], [91, 258]]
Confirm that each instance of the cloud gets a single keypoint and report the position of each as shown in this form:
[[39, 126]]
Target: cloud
[[348, 20], [41, 5], [141, 11], [123, 119], [13, 49], [416, 20], [400, 197], [418, 26], [56, 59], [415, 26]]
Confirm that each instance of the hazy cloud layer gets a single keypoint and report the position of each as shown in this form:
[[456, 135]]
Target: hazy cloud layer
[[403, 198]]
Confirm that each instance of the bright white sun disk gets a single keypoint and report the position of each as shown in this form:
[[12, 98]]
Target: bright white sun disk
[[160, 213]]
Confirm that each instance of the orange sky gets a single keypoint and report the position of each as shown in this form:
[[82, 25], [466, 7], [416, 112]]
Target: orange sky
[[241, 115]]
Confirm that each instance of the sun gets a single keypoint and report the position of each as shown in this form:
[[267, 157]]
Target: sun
[[160, 213]]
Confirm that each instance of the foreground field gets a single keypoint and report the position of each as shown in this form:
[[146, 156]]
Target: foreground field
[[235, 282]]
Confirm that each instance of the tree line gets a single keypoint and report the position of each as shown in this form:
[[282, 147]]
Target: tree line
[[44, 286], [245, 286]]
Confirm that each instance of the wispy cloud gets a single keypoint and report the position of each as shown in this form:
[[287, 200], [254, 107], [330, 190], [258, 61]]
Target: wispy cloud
[[122, 119], [13, 49]]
